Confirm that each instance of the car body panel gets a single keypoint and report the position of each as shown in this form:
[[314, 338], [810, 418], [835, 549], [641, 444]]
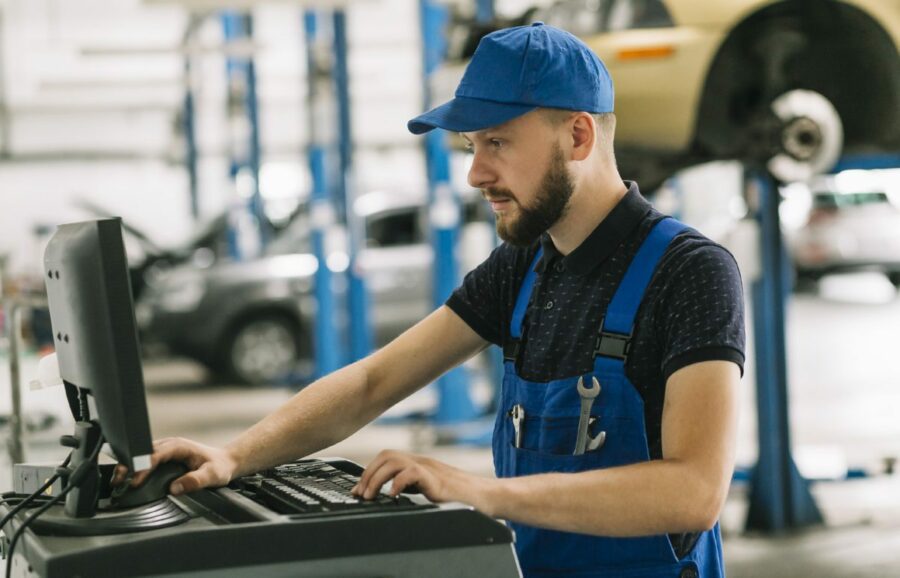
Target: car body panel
[[658, 97], [848, 236], [396, 265], [692, 51]]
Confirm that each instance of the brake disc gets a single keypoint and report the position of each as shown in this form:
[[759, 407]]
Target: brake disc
[[811, 136]]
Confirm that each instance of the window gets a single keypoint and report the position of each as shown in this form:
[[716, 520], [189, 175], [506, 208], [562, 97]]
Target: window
[[394, 229], [580, 17], [589, 17], [629, 14]]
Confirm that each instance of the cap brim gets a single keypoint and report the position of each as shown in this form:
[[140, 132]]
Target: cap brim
[[466, 115]]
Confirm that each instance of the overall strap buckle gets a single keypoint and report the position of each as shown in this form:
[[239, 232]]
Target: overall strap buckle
[[616, 345], [512, 349]]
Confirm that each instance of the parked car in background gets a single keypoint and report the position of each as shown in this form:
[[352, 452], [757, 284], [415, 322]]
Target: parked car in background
[[847, 230], [788, 83], [146, 258], [252, 321]]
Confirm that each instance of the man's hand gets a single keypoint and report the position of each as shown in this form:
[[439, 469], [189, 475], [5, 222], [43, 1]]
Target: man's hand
[[209, 466], [437, 481]]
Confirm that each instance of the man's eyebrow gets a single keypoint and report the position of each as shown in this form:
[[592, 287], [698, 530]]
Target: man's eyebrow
[[487, 133]]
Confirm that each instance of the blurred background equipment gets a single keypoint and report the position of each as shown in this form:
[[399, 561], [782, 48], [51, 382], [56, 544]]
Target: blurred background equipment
[[853, 225]]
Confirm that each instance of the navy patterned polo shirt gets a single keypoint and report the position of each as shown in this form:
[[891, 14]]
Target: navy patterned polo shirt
[[692, 311]]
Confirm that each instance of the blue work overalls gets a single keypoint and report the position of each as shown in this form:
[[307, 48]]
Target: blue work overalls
[[550, 428]]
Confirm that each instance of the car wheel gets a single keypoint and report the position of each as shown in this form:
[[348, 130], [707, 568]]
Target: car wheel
[[806, 282], [263, 350], [809, 137], [894, 277]]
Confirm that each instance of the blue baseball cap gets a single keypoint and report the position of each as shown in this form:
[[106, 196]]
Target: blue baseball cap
[[516, 70]]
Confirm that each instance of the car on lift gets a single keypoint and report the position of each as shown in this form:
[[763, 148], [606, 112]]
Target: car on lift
[[252, 321], [848, 229], [786, 84]]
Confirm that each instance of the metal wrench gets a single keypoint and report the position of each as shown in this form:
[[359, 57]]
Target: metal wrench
[[518, 420], [587, 400]]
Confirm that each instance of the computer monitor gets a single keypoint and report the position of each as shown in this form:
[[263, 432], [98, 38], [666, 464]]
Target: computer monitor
[[91, 310]]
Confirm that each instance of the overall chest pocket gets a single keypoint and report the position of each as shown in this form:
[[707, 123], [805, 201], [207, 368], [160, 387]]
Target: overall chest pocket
[[554, 435], [548, 444]]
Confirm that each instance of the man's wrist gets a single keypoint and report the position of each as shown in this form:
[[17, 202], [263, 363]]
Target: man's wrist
[[236, 457], [490, 495]]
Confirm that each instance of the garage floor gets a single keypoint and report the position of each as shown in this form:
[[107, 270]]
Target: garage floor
[[844, 391]]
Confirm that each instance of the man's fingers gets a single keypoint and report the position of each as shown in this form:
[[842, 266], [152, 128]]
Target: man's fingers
[[119, 474], [367, 473], [408, 477], [373, 466], [139, 477], [379, 477], [185, 484], [203, 477]]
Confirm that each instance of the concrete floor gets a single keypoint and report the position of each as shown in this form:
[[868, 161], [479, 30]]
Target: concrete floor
[[844, 391]]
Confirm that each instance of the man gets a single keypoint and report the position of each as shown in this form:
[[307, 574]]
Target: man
[[594, 293]]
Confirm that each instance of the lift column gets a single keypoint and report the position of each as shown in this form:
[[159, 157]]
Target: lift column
[[242, 101], [454, 403], [328, 350], [779, 496], [358, 298]]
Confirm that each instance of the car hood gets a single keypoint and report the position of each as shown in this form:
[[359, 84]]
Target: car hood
[[296, 266]]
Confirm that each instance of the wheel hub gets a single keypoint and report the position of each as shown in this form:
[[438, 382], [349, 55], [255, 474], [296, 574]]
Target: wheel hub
[[811, 136], [801, 138]]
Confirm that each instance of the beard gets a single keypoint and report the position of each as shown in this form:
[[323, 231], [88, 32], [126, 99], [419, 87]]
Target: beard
[[550, 204]]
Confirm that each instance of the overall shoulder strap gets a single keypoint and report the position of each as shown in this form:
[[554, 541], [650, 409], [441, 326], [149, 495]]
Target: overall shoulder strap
[[615, 329], [511, 350]]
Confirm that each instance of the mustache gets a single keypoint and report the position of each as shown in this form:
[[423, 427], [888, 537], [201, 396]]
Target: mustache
[[497, 194]]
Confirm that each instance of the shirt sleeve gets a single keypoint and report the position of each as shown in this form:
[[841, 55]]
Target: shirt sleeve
[[702, 310], [482, 298]]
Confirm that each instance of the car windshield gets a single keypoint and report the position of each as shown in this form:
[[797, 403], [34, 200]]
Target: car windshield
[[843, 200]]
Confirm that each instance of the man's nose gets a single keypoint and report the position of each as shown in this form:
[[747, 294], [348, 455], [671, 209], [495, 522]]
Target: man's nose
[[480, 173]]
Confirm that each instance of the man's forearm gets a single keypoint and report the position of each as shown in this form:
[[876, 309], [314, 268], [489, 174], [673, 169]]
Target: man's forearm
[[322, 414], [637, 500], [339, 404]]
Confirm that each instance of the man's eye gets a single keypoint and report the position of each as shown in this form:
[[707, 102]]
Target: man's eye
[[469, 147], [496, 143]]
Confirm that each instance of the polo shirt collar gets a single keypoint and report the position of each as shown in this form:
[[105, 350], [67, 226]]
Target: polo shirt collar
[[603, 240]]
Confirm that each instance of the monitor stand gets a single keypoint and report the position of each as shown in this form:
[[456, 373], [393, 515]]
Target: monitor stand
[[81, 516], [81, 502]]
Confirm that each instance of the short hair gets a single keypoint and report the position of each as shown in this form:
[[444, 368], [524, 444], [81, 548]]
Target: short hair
[[605, 121]]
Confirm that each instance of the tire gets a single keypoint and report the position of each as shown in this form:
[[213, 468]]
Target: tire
[[806, 282], [894, 278], [263, 350], [770, 98]]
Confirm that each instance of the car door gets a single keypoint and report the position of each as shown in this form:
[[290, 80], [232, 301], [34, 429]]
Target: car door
[[396, 264]]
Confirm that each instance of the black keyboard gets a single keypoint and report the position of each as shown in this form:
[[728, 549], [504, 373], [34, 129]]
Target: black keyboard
[[317, 487]]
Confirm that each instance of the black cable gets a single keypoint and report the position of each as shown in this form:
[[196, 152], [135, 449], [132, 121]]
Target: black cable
[[18, 533], [37, 494], [19, 498], [74, 480]]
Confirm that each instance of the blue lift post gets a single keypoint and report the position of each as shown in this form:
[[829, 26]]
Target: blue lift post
[[868, 162], [358, 300], [779, 496], [454, 403], [328, 350], [484, 11], [242, 92]]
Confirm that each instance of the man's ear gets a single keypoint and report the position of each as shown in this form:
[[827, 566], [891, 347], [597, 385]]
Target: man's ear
[[584, 136]]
